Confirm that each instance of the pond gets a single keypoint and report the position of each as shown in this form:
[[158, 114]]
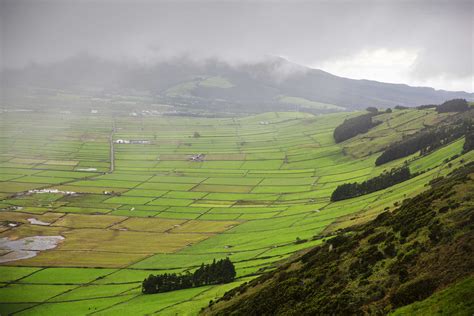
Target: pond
[[27, 247]]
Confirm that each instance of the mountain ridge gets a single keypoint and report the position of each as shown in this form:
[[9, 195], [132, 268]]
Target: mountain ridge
[[271, 84]]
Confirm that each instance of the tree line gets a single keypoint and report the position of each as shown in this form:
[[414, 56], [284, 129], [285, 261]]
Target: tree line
[[455, 105], [383, 181], [356, 125], [469, 143], [363, 123], [221, 271], [425, 141]]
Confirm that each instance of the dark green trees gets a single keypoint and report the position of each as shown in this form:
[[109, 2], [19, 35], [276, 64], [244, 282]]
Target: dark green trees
[[469, 143], [385, 180], [455, 105], [221, 271], [354, 126], [425, 141]]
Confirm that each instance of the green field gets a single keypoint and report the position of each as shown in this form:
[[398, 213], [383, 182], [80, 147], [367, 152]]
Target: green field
[[130, 209]]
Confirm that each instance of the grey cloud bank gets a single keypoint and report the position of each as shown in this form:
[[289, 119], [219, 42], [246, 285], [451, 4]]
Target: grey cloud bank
[[441, 32]]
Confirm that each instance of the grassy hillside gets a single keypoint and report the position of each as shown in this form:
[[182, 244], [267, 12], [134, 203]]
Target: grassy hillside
[[126, 196], [402, 257], [216, 82], [454, 300], [394, 127], [305, 103]]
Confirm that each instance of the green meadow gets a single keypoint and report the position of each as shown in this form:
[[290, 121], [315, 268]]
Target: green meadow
[[128, 209]]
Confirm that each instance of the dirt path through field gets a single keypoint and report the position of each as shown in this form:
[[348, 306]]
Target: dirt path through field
[[112, 151]]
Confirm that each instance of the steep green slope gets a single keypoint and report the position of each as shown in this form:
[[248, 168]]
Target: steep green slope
[[397, 259], [453, 300]]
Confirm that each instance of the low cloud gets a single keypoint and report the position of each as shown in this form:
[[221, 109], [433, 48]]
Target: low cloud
[[306, 32]]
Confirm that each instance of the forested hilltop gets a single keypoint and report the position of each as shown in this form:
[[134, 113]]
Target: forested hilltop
[[421, 249]]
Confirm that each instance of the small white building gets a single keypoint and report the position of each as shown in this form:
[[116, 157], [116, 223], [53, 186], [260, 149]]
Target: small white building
[[122, 141], [198, 157]]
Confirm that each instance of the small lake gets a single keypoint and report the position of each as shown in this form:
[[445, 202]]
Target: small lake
[[27, 247]]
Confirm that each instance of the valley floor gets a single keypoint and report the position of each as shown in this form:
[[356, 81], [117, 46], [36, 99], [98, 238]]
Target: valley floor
[[150, 194]]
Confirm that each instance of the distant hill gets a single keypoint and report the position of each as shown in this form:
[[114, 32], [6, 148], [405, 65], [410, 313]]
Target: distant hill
[[273, 84]]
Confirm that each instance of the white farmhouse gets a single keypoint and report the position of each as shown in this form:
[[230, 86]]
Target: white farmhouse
[[122, 141]]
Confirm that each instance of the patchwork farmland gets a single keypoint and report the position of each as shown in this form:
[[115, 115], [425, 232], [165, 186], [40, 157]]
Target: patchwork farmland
[[153, 194]]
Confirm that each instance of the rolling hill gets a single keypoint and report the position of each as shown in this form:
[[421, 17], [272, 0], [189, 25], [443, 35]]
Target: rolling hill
[[216, 86]]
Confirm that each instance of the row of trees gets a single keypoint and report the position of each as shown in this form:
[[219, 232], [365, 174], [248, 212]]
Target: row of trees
[[425, 141], [354, 126], [469, 143], [385, 180], [221, 271], [361, 124], [455, 105]]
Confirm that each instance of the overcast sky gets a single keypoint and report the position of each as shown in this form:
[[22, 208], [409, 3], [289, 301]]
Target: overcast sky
[[426, 43]]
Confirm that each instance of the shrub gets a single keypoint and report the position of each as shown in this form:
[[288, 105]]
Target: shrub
[[469, 142], [444, 209], [377, 238], [390, 250], [300, 241], [455, 105], [383, 181], [403, 275], [383, 219], [354, 126], [436, 233], [413, 291]]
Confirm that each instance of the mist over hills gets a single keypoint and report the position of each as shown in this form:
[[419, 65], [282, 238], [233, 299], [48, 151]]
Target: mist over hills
[[270, 84]]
